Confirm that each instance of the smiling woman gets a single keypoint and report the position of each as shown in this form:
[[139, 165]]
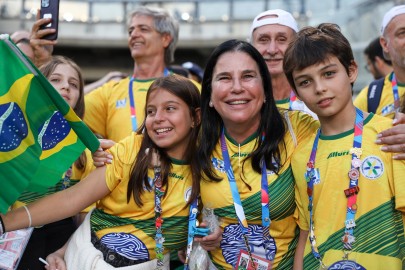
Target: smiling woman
[[244, 153]]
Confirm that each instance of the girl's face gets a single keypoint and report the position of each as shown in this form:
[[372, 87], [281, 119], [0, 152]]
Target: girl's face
[[168, 122], [65, 80]]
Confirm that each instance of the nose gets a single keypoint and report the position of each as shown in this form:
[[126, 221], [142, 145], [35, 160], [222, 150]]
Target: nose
[[272, 47], [237, 85], [319, 87], [159, 116], [65, 86]]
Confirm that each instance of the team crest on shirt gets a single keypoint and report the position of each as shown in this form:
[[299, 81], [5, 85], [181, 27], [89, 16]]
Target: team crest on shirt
[[121, 103], [390, 108], [372, 167], [218, 164]]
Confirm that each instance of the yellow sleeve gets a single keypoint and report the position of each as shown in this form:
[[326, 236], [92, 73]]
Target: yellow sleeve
[[96, 108], [361, 100], [398, 167], [301, 210], [124, 154]]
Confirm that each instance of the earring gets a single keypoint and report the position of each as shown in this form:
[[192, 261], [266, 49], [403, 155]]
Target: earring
[[264, 101], [211, 104]]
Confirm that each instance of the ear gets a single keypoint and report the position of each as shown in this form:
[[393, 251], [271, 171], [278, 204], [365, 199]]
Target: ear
[[384, 45], [166, 39], [378, 62], [197, 118], [353, 71]]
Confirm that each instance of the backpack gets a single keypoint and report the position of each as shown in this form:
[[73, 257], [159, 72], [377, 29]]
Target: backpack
[[374, 94]]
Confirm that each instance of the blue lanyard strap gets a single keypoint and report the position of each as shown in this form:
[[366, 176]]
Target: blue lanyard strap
[[351, 193], [236, 197], [166, 72], [394, 85], [192, 221]]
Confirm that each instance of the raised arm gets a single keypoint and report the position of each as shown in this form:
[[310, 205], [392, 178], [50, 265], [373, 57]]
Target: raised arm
[[59, 205], [43, 48]]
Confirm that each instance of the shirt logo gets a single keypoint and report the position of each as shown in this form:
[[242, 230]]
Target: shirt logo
[[218, 164], [121, 103], [387, 109], [372, 167]]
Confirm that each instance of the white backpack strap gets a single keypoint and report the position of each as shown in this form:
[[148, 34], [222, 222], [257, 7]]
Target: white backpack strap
[[290, 128]]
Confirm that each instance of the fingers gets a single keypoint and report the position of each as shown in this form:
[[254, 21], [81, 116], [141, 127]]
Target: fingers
[[399, 118], [211, 241], [182, 255], [101, 157], [55, 262], [106, 144]]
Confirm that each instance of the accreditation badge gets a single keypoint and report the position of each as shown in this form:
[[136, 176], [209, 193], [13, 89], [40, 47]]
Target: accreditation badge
[[246, 262]]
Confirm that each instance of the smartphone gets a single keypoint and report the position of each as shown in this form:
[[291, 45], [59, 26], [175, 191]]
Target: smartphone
[[50, 9]]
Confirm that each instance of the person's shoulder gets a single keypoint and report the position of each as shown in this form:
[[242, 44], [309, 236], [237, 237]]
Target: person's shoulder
[[378, 122], [111, 87]]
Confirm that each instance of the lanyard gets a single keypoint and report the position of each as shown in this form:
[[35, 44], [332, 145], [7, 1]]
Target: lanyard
[[237, 201], [293, 98], [192, 220], [166, 72], [394, 85], [159, 192], [351, 193]]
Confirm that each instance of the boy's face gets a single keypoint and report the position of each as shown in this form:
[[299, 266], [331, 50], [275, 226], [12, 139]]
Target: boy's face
[[326, 87]]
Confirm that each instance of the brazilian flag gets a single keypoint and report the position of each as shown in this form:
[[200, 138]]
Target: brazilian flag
[[40, 135]]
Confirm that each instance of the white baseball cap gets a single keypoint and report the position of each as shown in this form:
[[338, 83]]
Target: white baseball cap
[[393, 12], [274, 16]]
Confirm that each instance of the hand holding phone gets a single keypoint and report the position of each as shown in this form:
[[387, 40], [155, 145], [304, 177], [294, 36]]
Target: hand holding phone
[[50, 10]]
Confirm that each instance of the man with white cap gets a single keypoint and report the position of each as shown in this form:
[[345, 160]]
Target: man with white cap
[[385, 98], [270, 34]]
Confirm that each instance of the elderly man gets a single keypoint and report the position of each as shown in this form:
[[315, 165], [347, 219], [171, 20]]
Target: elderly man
[[117, 108], [384, 96], [271, 33]]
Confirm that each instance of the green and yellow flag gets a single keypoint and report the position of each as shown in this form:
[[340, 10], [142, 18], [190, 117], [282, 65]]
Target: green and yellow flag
[[40, 135]]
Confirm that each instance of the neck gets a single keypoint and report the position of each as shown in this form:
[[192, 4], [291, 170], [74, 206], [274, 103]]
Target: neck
[[399, 74], [340, 122], [281, 87], [147, 70], [239, 133]]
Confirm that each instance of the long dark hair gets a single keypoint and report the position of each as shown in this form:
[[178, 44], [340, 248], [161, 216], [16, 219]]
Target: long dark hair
[[188, 92], [47, 69], [271, 122]]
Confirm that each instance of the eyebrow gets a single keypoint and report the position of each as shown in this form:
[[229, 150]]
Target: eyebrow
[[322, 69]]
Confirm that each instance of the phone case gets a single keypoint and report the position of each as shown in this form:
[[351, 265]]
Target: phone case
[[50, 9]]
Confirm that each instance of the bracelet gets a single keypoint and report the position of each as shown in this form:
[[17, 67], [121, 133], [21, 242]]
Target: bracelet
[[2, 228], [29, 215]]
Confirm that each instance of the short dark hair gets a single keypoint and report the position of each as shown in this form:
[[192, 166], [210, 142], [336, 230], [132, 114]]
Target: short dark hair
[[374, 49], [315, 44]]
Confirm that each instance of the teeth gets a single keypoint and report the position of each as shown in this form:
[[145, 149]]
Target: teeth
[[238, 102], [161, 130]]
